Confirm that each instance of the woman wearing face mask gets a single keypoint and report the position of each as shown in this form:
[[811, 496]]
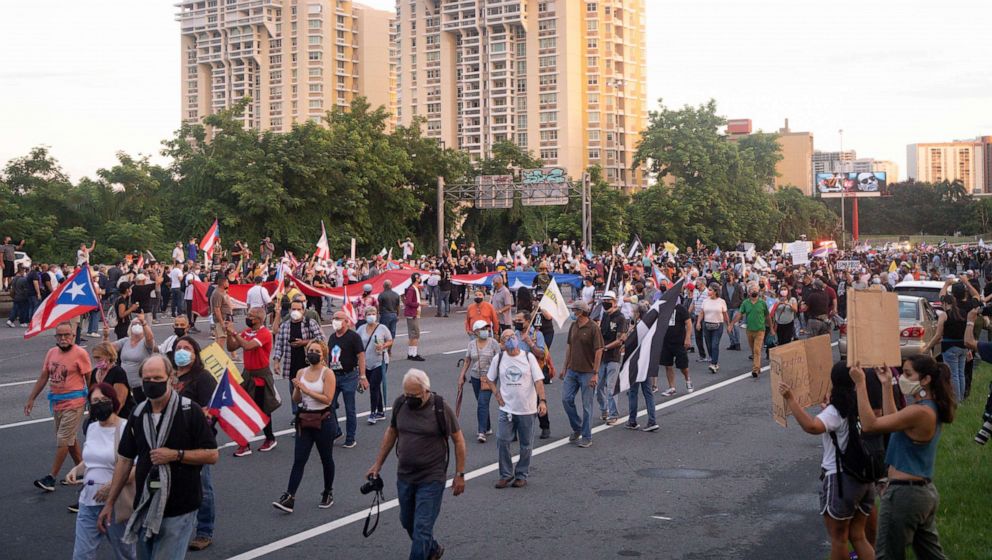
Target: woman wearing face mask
[[95, 472], [478, 356], [712, 321], [376, 340], [480, 310], [315, 425], [784, 316], [139, 344], [909, 505], [106, 370], [125, 310]]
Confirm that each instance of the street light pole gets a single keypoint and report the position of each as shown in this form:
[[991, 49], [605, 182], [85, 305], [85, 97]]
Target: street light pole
[[440, 216], [843, 199]]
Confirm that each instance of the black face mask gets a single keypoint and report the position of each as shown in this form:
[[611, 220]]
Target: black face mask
[[179, 331], [64, 346], [518, 326], [313, 358], [101, 410], [249, 322], [414, 402], [154, 389], [607, 305], [478, 300], [754, 294]]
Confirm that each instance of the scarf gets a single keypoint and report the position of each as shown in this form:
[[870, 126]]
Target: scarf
[[151, 508]]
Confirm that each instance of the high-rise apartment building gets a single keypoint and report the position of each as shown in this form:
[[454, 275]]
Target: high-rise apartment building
[[295, 59], [564, 79], [795, 167], [967, 161], [834, 162]]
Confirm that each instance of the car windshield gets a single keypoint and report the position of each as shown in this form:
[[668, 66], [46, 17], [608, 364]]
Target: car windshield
[[908, 310], [928, 294]]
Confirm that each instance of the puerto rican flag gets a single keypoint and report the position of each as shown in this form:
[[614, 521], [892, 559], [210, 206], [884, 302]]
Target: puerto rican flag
[[141, 262], [72, 298], [235, 411], [349, 308], [323, 250], [210, 239]]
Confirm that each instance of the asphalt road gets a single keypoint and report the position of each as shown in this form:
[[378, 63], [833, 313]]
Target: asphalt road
[[719, 480]]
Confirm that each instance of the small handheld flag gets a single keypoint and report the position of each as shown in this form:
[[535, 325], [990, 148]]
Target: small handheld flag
[[323, 250], [71, 298], [235, 411], [210, 240]]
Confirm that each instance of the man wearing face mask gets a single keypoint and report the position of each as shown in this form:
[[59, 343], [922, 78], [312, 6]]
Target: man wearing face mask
[[66, 371], [346, 358], [613, 328], [180, 328], [420, 427], [169, 437], [582, 358], [480, 310], [256, 341], [532, 340], [289, 350], [754, 312]]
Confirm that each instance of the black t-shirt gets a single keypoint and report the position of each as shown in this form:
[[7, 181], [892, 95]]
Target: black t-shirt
[[116, 376], [189, 431], [817, 303], [142, 295], [297, 355], [675, 334], [389, 302], [343, 351], [612, 326], [197, 385]]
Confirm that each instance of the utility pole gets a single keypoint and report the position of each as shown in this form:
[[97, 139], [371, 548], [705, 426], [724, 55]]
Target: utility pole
[[586, 213], [440, 216], [843, 200]]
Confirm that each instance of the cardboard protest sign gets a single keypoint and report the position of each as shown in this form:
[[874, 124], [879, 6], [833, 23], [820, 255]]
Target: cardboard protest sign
[[803, 365], [216, 361], [849, 264], [872, 328]]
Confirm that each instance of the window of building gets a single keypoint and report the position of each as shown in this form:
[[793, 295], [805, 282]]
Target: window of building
[[549, 135], [593, 117], [592, 44], [316, 72], [593, 80], [592, 25], [316, 103], [590, 6], [313, 39], [549, 154], [314, 23], [548, 61], [314, 55], [314, 8], [592, 61], [499, 47], [548, 79], [522, 139], [316, 88], [549, 98], [549, 116], [548, 43]]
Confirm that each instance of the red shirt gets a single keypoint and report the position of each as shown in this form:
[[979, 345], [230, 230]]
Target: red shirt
[[258, 358]]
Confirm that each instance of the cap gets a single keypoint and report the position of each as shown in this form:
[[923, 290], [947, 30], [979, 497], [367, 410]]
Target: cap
[[367, 288], [579, 305], [480, 324], [611, 295]]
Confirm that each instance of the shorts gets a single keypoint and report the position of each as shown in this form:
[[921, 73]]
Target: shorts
[[676, 355], [412, 328], [8, 269], [858, 496], [67, 426]]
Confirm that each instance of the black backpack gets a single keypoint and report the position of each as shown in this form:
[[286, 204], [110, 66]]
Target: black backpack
[[442, 424], [864, 456]]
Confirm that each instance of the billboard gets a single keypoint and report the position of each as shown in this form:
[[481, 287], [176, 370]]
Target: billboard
[[544, 187], [494, 191], [855, 184]]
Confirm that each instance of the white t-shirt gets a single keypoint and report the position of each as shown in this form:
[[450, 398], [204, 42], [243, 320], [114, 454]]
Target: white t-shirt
[[713, 310], [82, 257], [177, 254], [190, 278], [100, 455], [517, 376], [588, 292], [257, 296], [175, 278], [834, 423]]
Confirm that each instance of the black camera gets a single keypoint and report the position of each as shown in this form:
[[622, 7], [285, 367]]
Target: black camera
[[987, 310], [374, 484]]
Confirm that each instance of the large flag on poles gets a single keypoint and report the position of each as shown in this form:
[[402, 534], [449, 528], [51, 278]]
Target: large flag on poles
[[643, 352], [71, 298], [235, 411], [635, 245], [554, 303], [323, 250], [209, 240]]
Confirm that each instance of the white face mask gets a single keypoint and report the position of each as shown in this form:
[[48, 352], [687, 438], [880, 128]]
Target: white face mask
[[909, 387], [336, 324], [370, 319], [137, 330], [296, 315]]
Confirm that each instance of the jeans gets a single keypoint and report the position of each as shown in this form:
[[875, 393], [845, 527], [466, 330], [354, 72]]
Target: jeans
[[176, 295], [374, 376], [713, 343], [604, 389], [389, 320], [732, 333], [385, 398], [294, 406], [205, 515], [306, 438], [908, 517], [88, 537], [420, 505], [954, 357], [521, 425], [33, 303], [444, 303], [347, 383], [482, 410], [171, 541], [19, 312], [574, 382], [94, 324], [645, 389]]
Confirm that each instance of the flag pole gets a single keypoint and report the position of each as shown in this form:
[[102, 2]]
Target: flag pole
[[103, 316]]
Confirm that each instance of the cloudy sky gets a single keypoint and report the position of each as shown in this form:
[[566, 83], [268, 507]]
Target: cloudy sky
[[89, 78]]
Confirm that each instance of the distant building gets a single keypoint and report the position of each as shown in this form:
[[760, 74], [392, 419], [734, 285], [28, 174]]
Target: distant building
[[796, 166], [833, 162], [890, 168], [968, 161]]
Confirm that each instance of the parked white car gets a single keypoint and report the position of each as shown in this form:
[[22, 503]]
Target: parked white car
[[21, 259]]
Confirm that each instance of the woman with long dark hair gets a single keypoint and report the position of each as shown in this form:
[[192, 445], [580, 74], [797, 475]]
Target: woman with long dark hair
[[845, 502], [908, 514], [950, 334]]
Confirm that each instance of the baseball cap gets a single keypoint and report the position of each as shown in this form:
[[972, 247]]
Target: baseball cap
[[611, 295], [480, 324], [579, 305]]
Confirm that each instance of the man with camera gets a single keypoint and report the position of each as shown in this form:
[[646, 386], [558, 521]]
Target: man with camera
[[420, 427]]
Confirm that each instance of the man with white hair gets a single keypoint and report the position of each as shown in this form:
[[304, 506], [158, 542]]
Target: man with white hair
[[420, 427]]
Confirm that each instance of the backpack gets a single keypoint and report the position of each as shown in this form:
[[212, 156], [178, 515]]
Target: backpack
[[442, 424], [864, 456]]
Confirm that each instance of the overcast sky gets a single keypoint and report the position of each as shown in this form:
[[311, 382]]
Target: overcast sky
[[89, 78]]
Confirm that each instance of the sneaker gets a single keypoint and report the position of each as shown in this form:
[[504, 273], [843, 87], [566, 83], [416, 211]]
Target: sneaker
[[572, 438], [654, 389], [373, 419], [326, 499], [47, 484], [438, 553], [585, 443], [65, 482], [489, 432], [688, 386], [350, 444], [755, 373], [199, 543], [669, 392], [652, 427], [93, 335], [612, 420], [285, 503], [545, 433], [74, 508], [10, 324], [702, 359], [418, 358], [481, 438], [269, 445], [338, 436], [713, 368], [603, 416], [242, 451], [631, 426]]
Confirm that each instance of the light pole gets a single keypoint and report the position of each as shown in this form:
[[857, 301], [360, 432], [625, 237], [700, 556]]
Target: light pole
[[843, 201]]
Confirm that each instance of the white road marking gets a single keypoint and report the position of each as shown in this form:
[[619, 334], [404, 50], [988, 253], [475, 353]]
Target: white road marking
[[661, 517], [391, 504], [13, 383], [405, 334], [444, 353], [293, 430]]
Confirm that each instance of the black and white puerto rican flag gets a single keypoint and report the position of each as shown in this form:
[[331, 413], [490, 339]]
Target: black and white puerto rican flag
[[642, 353]]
